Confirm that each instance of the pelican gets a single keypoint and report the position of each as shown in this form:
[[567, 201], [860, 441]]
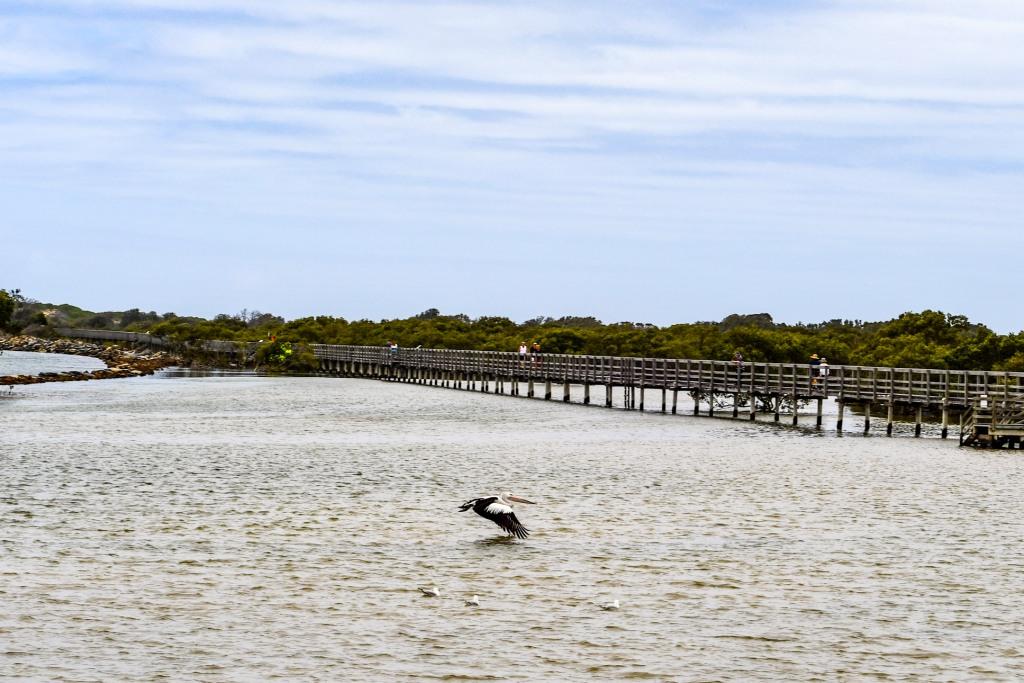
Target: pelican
[[610, 606], [430, 591], [473, 602], [498, 509]]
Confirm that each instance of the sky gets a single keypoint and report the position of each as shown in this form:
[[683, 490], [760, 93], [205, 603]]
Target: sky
[[652, 162]]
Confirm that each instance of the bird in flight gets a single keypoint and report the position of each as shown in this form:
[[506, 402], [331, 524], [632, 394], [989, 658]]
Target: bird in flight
[[498, 509]]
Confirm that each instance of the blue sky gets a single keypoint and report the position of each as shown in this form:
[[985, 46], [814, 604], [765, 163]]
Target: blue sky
[[671, 162]]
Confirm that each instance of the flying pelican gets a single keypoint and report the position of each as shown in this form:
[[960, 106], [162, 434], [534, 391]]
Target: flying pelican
[[610, 606], [473, 602], [430, 591], [498, 509]]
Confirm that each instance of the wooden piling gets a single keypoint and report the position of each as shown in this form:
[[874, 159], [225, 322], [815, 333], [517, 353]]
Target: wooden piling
[[889, 414], [867, 417], [675, 400], [842, 409], [917, 420], [818, 416]]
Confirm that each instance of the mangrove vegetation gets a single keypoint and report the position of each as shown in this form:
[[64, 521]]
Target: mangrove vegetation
[[925, 339]]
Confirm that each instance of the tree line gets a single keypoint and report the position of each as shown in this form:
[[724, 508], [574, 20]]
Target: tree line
[[925, 339]]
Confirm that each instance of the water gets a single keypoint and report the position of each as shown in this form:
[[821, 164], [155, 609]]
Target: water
[[25, 363], [249, 528]]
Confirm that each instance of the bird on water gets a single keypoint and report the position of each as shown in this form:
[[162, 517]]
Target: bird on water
[[430, 591], [498, 509], [610, 606], [473, 602]]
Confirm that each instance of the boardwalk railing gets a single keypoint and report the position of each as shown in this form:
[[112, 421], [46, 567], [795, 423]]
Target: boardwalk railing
[[116, 336]]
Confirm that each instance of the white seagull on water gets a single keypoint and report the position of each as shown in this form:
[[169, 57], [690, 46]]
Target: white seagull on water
[[473, 602], [430, 591], [610, 606], [498, 509]]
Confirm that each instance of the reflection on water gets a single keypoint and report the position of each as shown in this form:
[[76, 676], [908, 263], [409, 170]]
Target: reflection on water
[[249, 528]]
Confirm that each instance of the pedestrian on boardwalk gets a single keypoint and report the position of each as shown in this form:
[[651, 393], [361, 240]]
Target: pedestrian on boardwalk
[[815, 363], [522, 354], [535, 352], [823, 370], [737, 359]]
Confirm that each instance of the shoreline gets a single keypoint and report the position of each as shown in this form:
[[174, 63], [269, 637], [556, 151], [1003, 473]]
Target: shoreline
[[120, 362]]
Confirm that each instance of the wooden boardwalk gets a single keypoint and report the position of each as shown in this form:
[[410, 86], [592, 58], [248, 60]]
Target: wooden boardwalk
[[760, 385]]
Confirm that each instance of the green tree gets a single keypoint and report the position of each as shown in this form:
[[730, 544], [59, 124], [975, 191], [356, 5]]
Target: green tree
[[7, 304]]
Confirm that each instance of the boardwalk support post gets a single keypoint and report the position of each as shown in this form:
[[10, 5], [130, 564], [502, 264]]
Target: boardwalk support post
[[842, 409]]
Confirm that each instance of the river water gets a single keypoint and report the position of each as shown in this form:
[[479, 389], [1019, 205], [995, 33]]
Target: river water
[[240, 528], [25, 363]]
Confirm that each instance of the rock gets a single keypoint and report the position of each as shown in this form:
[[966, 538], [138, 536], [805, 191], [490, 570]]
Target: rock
[[121, 362]]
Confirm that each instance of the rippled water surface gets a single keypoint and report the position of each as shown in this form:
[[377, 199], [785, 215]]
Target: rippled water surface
[[246, 528]]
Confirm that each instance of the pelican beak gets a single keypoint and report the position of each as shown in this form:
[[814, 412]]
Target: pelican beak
[[517, 499]]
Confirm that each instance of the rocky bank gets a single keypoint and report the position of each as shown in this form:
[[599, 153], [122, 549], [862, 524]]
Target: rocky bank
[[121, 362]]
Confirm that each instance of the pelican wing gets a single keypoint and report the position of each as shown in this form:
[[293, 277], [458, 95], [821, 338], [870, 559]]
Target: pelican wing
[[502, 515]]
